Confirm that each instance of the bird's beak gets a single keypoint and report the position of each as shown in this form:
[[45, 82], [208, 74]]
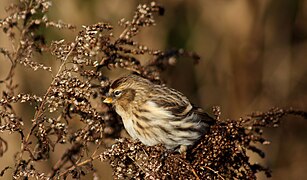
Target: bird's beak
[[108, 100]]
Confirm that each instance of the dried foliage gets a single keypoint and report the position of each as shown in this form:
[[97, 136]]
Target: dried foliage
[[220, 154], [80, 81]]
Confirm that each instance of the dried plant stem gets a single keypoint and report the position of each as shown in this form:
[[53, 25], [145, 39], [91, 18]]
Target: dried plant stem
[[142, 169], [65, 158], [93, 157], [10, 74], [40, 109], [215, 172], [192, 169]]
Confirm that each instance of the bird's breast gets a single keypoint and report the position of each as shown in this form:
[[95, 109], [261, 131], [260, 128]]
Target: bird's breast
[[127, 119]]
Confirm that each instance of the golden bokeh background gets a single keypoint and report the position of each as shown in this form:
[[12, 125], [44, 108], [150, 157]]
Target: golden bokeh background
[[253, 57]]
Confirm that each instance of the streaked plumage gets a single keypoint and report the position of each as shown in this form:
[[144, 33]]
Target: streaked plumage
[[157, 114]]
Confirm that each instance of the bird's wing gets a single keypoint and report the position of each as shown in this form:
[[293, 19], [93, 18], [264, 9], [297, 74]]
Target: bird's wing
[[179, 106], [172, 101]]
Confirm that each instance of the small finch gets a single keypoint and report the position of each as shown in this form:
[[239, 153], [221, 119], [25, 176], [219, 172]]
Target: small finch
[[156, 114]]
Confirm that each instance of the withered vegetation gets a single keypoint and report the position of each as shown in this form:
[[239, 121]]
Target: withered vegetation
[[80, 79]]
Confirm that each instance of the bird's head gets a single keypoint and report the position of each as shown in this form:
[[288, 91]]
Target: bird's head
[[125, 89]]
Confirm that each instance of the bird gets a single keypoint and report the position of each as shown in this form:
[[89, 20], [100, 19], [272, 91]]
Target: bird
[[156, 114]]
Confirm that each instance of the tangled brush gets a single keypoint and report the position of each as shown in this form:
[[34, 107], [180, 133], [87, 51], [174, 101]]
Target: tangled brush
[[74, 97]]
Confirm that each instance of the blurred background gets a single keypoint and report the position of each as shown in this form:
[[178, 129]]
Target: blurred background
[[253, 57]]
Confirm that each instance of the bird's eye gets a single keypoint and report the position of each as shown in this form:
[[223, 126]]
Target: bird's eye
[[117, 93]]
